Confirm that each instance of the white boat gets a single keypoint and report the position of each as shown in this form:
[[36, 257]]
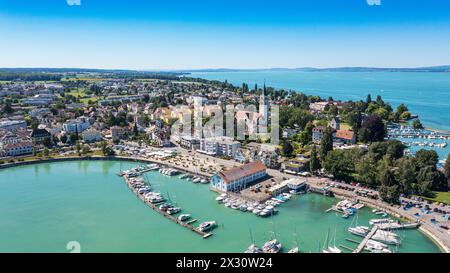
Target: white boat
[[272, 246], [173, 210], [206, 226], [293, 250], [381, 221], [256, 211], [184, 217], [359, 231], [220, 199], [253, 249], [331, 249]]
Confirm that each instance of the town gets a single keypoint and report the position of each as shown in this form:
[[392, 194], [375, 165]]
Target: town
[[343, 148]]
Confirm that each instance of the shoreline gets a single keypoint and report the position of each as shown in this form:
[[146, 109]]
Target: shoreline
[[340, 195]]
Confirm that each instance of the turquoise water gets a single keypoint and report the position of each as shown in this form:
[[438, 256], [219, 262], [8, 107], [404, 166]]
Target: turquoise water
[[426, 94], [44, 206]]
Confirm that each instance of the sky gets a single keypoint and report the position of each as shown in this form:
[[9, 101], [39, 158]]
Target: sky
[[189, 34]]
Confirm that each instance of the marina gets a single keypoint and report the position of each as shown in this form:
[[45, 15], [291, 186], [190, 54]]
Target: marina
[[115, 221]]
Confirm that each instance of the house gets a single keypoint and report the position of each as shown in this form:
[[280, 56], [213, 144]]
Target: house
[[317, 133], [295, 165], [76, 125], [346, 137], [117, 132], [190, 143], [17, 149], [11, 125], [220, 146], [239, 178], [91, 135], [335, 123], [40, 136]]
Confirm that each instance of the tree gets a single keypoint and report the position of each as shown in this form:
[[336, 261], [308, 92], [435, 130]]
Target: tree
[[389, 189], [287, 148], [366, 170], [7, 107], [86, 149], [372, 129], [63, 138], [326, 143], [426, 158], [339, 164], [416, 124], [46, 152], [314, 163], [447, 169], [369, 99], [406, 176]]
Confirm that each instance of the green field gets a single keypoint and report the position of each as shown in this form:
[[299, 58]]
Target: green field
[[441, 197]]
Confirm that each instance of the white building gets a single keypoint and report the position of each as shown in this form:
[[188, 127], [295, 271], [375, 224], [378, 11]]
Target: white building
[[239, 178], [11, 125], [91, 135], [76, 125], [225, 146], [17, 149]]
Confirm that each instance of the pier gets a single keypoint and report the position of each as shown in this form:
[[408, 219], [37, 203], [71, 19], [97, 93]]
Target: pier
[[165, 214], [363, 243]]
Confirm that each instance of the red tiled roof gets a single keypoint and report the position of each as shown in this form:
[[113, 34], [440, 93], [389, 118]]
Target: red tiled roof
[[242, 171], [343, 134]]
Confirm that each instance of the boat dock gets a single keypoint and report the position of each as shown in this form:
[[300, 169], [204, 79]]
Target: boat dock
[[363, 243], [165, 214]]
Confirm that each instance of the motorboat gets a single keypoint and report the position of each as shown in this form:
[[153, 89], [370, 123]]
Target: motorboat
[[272, 246], [206, 226], [184, 217]]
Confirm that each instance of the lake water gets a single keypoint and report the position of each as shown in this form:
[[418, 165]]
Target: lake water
[[44, 206]]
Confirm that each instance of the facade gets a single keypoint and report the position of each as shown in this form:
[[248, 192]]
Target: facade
[[317, 133], [76, 125], [91, 135], [239, 178], [190, 143], [117, 132], [17, 149], [220, 146], [295, 165], [11, 125], [335, 123], [40, 136], [264, 108]]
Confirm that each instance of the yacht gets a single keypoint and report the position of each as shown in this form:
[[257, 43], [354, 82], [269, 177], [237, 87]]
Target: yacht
[[173, 210], [381, 221], [331, 249], [253, 249], [206, 226], [272, 246], [359, 231], [184, 217]]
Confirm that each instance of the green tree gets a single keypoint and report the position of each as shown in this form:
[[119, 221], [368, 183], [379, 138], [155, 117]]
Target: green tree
[[326, 143], [447, 169], [366, 171], [314, 163], [406, 175], [426, 158], [389, 190], [372, 129], [46, 152], [287, 149], [416, 124]]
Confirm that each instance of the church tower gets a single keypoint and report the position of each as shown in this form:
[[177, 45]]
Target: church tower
[[264, 107]]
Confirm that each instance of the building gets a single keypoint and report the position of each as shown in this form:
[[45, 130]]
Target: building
[[117, 132], [40, 136], [239, 178], [91, 135], [264, 108], [346, 137], [318, 107], [317, 133], [76, 125], [335, 123], [11, 125], [219, 146], [17, 149], [190, 143], [295, 165]]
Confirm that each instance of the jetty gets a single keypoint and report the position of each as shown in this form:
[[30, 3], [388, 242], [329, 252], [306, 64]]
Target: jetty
[[165, 214], [363, 243]]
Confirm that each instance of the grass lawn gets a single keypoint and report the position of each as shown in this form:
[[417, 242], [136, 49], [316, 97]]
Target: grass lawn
[[442, 197], [346, 126]]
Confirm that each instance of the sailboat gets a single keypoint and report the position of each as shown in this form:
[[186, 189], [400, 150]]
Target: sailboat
[[295, 248], [253, 248], [330, 249]]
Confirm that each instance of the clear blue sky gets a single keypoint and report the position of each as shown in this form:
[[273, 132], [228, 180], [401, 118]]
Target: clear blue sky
[[177, 34]]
